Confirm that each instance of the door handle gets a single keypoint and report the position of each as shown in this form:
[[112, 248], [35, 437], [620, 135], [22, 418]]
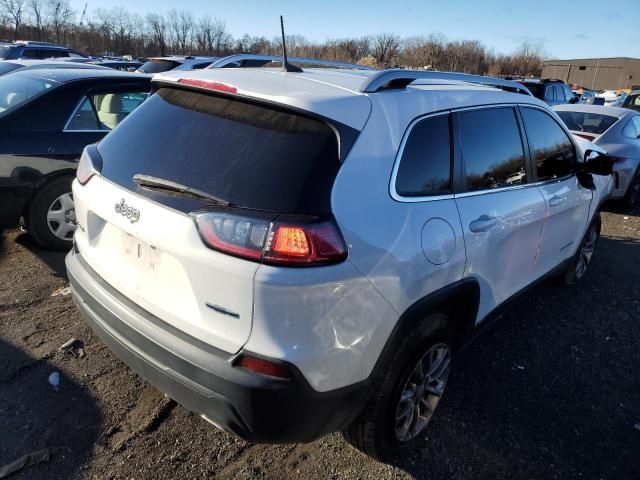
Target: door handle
[[482, 224], [555, 201]]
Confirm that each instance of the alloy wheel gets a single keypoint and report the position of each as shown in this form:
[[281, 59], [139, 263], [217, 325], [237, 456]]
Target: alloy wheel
[[422, 392]]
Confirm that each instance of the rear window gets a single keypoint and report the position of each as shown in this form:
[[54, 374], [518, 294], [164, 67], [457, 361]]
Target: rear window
[[18, 88], [157, 66], [250, 155], [4, 52], [6, 67], [536, 89], [587, 122]]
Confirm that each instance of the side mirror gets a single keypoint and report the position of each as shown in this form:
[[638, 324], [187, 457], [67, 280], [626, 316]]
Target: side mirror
[[597, 163]]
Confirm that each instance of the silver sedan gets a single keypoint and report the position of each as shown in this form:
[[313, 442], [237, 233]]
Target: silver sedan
[[616, 130]]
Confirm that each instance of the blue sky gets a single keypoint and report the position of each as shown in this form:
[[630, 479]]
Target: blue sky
[[564, 29]]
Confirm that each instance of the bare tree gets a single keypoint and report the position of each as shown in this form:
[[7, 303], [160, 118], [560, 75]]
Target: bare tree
[[212, 37], [385, 47], [158, 30], [120, 25], [38, 11], [15, 11], [181, 24], [60, 15]]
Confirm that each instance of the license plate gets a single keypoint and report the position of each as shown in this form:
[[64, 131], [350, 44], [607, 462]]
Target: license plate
[[146, 257]]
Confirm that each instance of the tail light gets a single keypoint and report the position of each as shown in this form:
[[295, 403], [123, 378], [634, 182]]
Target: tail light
[[272, 241], [90, 164], [588, 137], [617, 159]]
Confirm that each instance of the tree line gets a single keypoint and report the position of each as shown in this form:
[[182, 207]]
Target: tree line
[[116, 31]]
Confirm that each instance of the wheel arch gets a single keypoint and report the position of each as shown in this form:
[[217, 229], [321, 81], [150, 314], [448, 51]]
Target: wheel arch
[[459, 301], [41, 182]]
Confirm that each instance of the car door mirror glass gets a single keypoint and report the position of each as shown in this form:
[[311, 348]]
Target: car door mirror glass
[[597, 163]]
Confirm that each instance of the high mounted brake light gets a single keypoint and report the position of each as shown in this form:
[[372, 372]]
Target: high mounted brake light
[[272, 242], [209, 85]]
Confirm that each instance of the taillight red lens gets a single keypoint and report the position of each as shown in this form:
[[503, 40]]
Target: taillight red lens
[[587, 137], [271, 242], [264, 367], [220, 87], [617, 159], [311, 244]]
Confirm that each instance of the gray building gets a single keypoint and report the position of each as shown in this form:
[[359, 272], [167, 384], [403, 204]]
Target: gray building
[[595, 73]]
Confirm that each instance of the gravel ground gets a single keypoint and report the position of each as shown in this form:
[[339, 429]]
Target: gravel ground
[[550, 391]]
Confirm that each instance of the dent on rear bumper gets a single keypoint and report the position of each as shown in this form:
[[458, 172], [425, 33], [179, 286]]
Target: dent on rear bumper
[[328, 321], [203, 378]]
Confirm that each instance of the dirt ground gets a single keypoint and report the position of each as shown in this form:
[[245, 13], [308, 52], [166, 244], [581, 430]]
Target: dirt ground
[[551, 391]]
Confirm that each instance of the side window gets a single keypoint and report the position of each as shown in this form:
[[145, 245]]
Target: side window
[[632, 128], [492, 151], [30, 53], [568, 94], [111, 109], [553, 152], [54, 53], [425, 166], [84, 118]]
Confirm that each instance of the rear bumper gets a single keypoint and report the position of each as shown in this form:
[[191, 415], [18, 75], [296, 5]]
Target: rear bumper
[[202, 378]]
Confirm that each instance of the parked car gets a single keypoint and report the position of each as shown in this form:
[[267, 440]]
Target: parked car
[[320, 277], [9, 66], [632, 101], [552, 92], [37, 51], [47, 116], [616, 130], [587, 97], [610, 97], [175, 62]]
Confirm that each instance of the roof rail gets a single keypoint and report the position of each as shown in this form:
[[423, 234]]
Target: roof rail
[[243, 57], [36, 43], [398, 78]]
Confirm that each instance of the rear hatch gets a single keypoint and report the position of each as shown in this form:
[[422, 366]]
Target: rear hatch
[[144, 240]]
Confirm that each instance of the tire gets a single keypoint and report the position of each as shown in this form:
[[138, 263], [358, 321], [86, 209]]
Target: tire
[[50, 207], [580, 262], [375, 431]]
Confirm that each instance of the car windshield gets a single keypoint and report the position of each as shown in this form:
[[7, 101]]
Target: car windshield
[[18, 88], [587, 122], [6, 67], [157, 66]]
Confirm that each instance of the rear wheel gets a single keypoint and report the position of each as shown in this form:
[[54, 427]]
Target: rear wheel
[[582, 259], [51, 219], [404, 403]]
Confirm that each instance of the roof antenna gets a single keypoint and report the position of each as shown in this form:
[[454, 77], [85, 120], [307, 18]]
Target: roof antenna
[[286, 66]]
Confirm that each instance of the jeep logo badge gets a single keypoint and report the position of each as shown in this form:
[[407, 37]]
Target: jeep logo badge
[[133, 214]]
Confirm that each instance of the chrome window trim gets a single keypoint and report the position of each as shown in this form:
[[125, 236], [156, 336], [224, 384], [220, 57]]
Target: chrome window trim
[[66, 128], [396, 165]]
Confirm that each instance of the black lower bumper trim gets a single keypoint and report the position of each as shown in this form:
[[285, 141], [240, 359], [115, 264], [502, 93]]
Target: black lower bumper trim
[[202, 378]]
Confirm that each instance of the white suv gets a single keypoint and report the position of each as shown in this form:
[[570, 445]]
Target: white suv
[[292, 254]]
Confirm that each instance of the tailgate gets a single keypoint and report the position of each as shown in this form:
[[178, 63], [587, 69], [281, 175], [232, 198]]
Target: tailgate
[[159, 262]]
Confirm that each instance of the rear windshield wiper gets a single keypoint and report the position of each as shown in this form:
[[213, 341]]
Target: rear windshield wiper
[[148, 181]]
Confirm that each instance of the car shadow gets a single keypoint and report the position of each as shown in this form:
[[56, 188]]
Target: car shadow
[[550, 390], [34, 416], [52, 258]]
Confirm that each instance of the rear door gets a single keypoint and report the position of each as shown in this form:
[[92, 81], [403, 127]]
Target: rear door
[[501, 211], [554, 157]]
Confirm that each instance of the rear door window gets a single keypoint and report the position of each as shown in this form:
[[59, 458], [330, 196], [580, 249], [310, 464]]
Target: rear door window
[[549, 94], [553, 152], [425, 165], [491, 147], [249, 154], [105, 110]]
